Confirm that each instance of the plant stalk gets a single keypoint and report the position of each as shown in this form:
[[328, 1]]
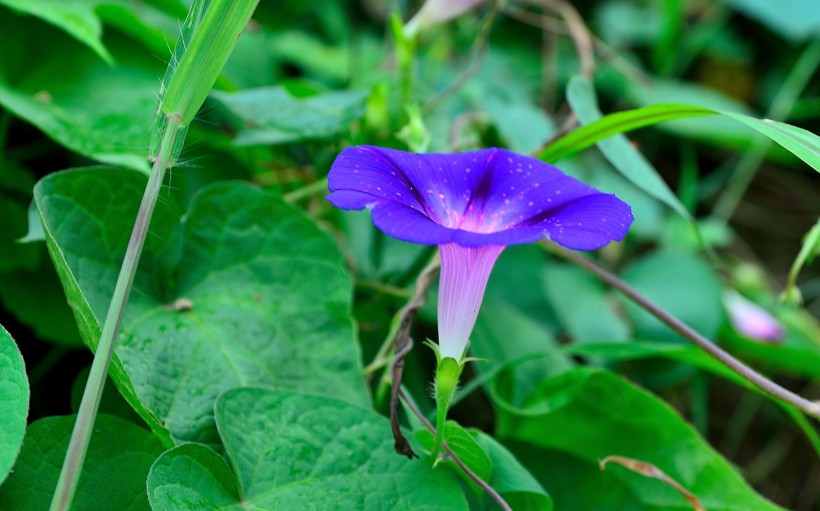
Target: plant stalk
[[84, 425], [738, 367]]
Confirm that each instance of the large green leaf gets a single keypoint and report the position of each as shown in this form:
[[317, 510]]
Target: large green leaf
[[294, 451], [590, 414], [14, 396], [245, 290], [113, 475], [90, 107]]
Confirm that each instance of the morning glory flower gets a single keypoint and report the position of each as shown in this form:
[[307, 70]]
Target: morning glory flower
[[472, 205]]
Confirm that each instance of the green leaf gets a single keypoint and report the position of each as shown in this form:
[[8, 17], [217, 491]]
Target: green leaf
[[15, 196], [292, 451], [53, 82], [803, 144], [76, 17], [511, 479], [576, 297], [495, 465], [504, 337], [271, 115], [795, 19], [462, 443], [114, 472], [573, 483], [14, 395], [29, 308], [594, 131], [244, 290], [617, 149], [590, 414], [683, 285]]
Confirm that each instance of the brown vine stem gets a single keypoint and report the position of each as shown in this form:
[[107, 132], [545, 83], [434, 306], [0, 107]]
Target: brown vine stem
[[738, 367], [402, 344], [472, 475]]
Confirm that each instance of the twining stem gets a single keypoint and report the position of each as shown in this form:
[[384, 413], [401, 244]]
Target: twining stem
[[738, 367], [403, 320], [472, 475], [80, 437]]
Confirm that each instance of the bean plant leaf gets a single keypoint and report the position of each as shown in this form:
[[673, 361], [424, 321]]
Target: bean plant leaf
[[591, 414], [272, 115], [295, 451], [244, 290], [113, 475], [102, 112], [14, 396]]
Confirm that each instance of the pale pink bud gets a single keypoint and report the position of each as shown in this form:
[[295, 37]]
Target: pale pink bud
[[438, 11], [751, 320]]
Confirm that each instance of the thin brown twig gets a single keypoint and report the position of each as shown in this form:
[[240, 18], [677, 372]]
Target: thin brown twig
[[578, 31], [400, 443], [402, 344], [738, 367], [481, 44], [472, 475]]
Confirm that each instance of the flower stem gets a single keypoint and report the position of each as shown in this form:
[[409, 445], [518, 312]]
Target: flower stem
[[738, 367], [80, 437], [472, 475]]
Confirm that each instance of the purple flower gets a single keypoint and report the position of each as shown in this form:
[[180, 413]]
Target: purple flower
[[472, 205], [751, 320]]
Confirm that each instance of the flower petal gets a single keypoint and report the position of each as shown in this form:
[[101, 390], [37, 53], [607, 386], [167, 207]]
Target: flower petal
[[589, 222], [475, 198], [407, 224]]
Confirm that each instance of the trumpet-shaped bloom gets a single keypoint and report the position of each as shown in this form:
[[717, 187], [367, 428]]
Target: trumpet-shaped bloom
[[472, 205]]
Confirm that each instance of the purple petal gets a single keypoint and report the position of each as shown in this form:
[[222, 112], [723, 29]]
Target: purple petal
[[407, 224], [464, 275], [588, 223], [491, 196]]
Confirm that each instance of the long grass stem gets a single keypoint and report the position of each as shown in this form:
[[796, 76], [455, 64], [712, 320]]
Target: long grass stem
[[81, 435]]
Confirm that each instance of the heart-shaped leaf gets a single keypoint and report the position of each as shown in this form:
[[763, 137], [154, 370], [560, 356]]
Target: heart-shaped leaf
[[114, 472], [294, 451], [14, 394], [244, 290], [591, 414]]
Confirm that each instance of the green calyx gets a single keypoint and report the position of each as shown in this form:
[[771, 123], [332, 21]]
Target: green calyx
[[448, 371]]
